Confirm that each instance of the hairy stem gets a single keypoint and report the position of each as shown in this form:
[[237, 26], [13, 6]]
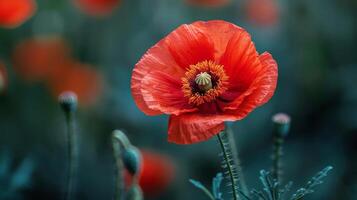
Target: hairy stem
[[72, 154], [241, 182], [230, 168], [276, 157]]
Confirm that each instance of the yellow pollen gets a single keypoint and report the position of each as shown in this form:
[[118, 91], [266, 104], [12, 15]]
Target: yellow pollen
[[203, 81]]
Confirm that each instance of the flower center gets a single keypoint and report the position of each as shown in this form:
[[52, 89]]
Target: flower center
[[204, 82]]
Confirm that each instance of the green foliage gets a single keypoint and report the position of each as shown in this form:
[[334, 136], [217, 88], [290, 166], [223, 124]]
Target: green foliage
[[216, 193], [228, 164], [216, 186], [272, 189], [12, 182], [311, 184]]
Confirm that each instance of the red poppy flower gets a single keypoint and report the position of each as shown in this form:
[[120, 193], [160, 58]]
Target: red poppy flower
[[97, 7], [37, 58], [213, 3], [201, 75], [262, 12], [14, 12], [3, 78], [79, 78], [157, 172]]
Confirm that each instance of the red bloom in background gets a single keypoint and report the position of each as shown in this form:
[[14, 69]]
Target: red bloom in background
[[213, 3], [202, 75], [3, 78], [97, 7], [262, 12], [37, 58], [157, 172], [79, 78], [14, 12]]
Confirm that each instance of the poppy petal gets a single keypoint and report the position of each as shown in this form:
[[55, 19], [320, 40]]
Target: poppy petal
[[157, 58], [189, 45], [241, 60], [219, 32], [261, 90], [193, 128], [163, 92]]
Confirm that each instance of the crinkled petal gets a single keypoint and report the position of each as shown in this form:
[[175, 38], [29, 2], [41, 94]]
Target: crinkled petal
[[193, 128], [189, 45], [183, 47], [163, 92], [157, 58], [261, 90], [219, 32], [241, 60]]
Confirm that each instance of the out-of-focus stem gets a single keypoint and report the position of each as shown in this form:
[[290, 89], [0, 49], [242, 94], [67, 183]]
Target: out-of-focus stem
[[72, 154], [276, 157], [241, 182], [118, 169], [229, 166]]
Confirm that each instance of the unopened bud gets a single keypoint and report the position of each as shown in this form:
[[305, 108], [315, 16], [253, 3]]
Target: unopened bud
[[281, 124], [68, 101], [132, 160]]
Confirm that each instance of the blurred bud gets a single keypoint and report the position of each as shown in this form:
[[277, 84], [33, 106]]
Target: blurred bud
[[97, 8], [135, 193], [3, 77], [262, 12], [209, 3], [15, 12], [68, 101], [281, 124], [80, 78], [132, 160]]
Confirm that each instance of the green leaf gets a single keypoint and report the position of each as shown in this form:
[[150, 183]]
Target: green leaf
[[199, 185], [216, 185]]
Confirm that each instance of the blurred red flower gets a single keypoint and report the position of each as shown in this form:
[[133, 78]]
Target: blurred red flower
[[97, 7], [157, 172], [213, 3], [202, 75], [3, 78], [262, 12], [79, 78], [14, 12], [37, 58]]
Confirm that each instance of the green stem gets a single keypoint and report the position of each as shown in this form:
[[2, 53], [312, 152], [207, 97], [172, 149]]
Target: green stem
[[118, 166], [241, 182], [230, 168], [72, 154], [276, 157]]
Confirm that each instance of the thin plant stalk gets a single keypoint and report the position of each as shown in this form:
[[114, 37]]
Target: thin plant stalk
[[118, 169], [72, 154], [241, 181], [276, 157], [229, 166]]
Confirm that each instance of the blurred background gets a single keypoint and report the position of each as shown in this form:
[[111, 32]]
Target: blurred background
[[91, 47]]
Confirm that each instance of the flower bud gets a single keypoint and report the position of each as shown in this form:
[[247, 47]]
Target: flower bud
[[132, 160], [68, 101], [281, 124]]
